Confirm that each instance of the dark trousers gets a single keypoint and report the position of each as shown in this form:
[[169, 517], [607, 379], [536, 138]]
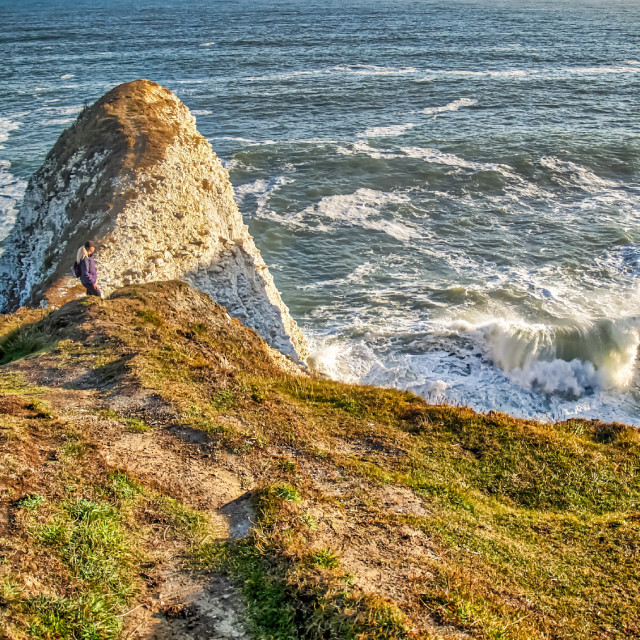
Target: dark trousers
[[91, 290]]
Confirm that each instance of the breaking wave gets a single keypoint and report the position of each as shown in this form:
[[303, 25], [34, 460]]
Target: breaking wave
[[573, 361], [11, 191], [452, 106], [7, 125]]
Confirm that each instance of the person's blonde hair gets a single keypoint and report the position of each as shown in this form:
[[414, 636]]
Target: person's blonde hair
[[81, 255], [82, 251]]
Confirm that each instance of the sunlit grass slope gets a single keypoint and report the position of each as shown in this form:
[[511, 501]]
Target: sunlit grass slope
[[375, 514]]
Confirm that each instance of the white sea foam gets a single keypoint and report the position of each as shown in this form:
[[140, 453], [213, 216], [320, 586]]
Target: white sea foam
[[71, 110], [230, 164], [452, 106], [261, 190], [546, 74], [357, 277], [11, 192], [356, 69], [434, 156], [235, 139], [440, 157], [623, 260], [390, 131], [66, 76], [571, 175], [395, 130], [572, 360], [207, 44], [499, 364], [201, 112], [426, 75], [7, 125], [362, 148], [372, 69], [361, 209]]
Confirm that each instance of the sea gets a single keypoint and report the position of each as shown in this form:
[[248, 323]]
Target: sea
[[447, 191]]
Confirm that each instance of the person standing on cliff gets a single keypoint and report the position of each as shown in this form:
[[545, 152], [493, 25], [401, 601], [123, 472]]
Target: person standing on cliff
[[88, 271]]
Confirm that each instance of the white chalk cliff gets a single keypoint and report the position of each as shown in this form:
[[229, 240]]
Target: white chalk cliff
[[134, 175]]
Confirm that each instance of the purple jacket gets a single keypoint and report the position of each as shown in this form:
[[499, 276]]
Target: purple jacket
[[88, 273]]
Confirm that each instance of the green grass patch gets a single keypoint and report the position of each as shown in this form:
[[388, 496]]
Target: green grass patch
[[87, 617], [32, 502], [184, 520], [74, 447], [90, 538], [131, 423], [13, 383], [324, 559], [151, 317], [31, 339], [123, 488], [286, 492], [223, 399]]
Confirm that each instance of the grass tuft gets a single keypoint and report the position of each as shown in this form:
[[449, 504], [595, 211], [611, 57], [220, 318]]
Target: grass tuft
[[30, 339], [32, 502], [324, 559]]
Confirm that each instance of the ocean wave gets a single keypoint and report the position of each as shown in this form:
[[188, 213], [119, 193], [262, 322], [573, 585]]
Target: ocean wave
[[528, 371], [623, 260], [234, 139], [261, 190], [546, 74], [569, 174], [363, 209], [230, 164], [71, 110], [12, 190], [426, 75], [201, 112], [56, 122], [7, 125], [372, 69], [357, 69], [571, 360], [207, 44], [356, 277], [66, 76], [390, 131], [362, 148], [436, 156], [452, 106], [360, 209], [430, 155]]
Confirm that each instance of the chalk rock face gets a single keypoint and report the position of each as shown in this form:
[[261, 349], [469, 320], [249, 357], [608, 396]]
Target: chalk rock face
[[134, 175]]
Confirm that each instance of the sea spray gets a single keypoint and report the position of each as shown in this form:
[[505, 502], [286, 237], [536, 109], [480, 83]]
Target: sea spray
[[567, 360]]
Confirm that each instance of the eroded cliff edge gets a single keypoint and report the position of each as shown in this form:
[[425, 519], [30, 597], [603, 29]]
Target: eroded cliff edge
[[134, 174]]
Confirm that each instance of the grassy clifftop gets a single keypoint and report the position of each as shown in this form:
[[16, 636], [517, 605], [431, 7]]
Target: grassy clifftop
[[164, 472]]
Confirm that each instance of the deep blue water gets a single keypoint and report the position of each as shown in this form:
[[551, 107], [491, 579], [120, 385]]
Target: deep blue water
[[447, 192]]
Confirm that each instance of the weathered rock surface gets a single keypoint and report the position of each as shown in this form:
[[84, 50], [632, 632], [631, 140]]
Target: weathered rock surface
[[134, 175]]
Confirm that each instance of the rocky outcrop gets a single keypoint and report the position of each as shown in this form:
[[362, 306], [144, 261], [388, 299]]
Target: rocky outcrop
[[134, 175]]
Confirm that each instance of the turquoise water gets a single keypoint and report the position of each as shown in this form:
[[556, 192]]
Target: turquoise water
[[447, 193]]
